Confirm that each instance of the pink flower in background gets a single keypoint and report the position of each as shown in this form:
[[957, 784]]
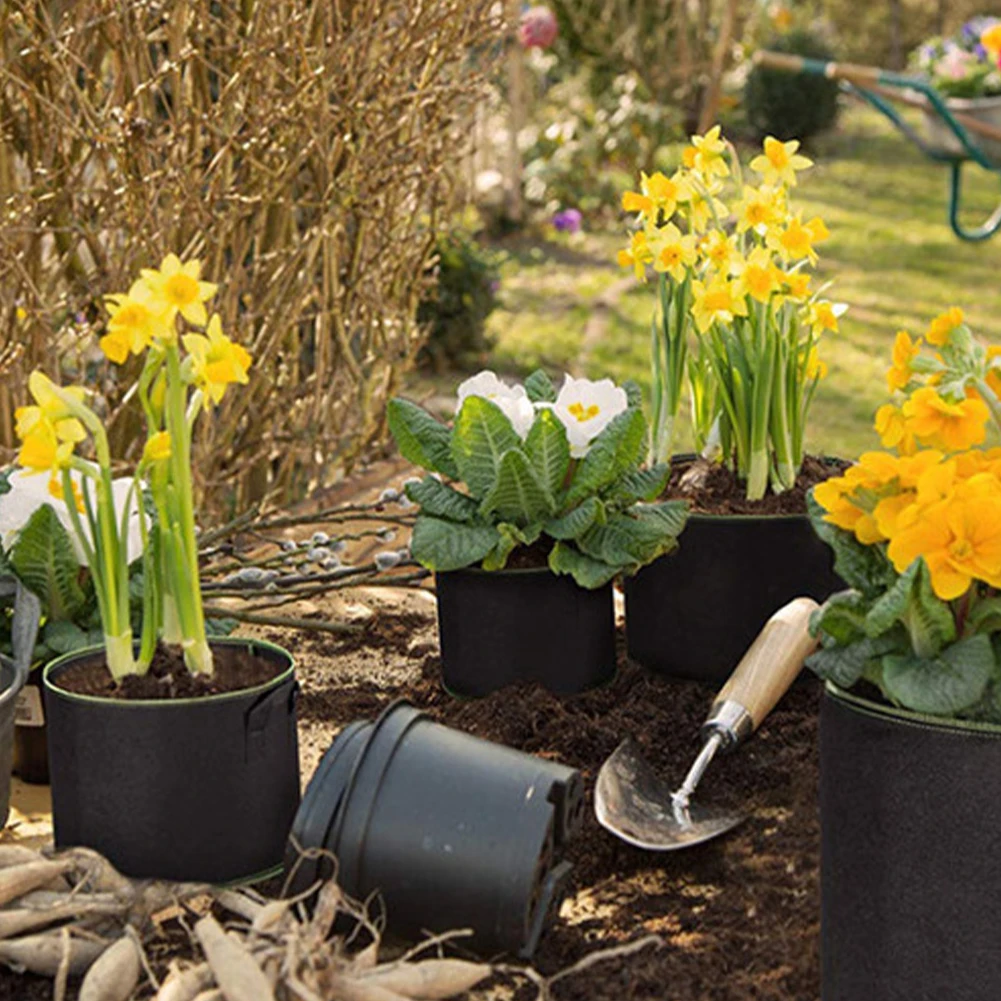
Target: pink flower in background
[[538, 28], [955, 64]]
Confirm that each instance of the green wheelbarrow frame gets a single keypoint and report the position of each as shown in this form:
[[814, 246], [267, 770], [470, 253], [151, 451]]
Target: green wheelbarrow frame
[[879, 88]]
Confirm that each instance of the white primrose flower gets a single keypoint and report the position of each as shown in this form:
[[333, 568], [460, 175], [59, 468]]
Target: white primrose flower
[[513, 401], [29, 491], [586, 408]]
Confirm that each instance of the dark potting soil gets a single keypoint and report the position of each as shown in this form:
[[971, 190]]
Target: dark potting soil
[[235, 668], [713, 488], [533, 557]]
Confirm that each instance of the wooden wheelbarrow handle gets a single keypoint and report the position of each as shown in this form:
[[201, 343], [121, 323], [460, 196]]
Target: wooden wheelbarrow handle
[[871, 78]]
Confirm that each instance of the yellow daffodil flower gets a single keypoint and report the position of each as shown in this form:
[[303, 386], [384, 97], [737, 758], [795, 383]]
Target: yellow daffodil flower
[[637, 256], [943, 325], [708, 158], [960, 542], [719, 250], [795, 241], [718, 301], [796, 284], [658, 193], [158, 447], [673, 253], [176, 288], [704, 206], [135, 321], [816, 367], [779, 162], [216, 361], [48, 430], [760, 209], [823, 316], [951, 426], [905, 350], [759, 277]]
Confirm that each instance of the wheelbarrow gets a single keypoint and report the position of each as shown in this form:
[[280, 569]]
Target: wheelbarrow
[[955, 133]]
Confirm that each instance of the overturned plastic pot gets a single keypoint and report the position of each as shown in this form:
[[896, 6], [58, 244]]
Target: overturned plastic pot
[[200, 789], [26, 612], [12, 679], [693, 613], [499, 628], [910, 867], [451, 831]]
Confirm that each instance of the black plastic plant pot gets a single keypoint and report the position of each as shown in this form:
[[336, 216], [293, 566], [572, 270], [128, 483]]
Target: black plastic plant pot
[[201, 789], [451, 831], [503, 627], [910, 855], [693, 613]]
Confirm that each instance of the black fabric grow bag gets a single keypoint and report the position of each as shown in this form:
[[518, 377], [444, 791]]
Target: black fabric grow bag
[[910, 855], [508, 626], [450, 830], [693, 613], [200, 790]]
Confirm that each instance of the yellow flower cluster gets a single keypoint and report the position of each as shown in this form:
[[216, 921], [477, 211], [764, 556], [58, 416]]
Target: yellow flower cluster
[[754, 250], [939, 496]]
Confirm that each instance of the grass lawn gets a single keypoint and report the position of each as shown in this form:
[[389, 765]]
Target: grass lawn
[[892, 257]]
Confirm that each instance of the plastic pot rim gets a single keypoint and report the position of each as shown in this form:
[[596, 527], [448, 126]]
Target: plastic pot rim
[[907, 717], [167, 704], [10, 693]]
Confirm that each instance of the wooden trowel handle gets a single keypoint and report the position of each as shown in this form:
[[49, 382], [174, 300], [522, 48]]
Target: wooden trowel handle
[[770, 666]]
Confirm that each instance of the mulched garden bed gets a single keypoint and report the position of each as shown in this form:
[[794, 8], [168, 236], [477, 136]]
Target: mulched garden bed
[[739, 916]]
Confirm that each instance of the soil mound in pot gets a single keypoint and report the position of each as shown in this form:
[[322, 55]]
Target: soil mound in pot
[[713, 488], [235, 668]]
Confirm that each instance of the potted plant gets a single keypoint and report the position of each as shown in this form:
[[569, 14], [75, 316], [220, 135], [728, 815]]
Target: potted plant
[[37, 548], [173, 756], [736, 331], [910, 736], [534, 503], [966, 70]]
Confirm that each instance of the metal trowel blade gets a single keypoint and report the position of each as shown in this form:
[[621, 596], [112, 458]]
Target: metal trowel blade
[[635, 804]]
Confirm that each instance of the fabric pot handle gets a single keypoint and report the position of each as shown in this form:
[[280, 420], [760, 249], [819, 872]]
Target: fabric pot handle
[[257, 718]]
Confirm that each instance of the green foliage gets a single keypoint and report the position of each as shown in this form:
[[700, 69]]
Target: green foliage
[[456, 308], [44, 560], [792, 105], [889, 629], [508, 492]]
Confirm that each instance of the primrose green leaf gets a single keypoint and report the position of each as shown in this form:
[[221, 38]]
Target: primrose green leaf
[[44, 558], [480, 438], [447, 545], [633, 394], [865, 568], [539, 387], [549, 451], [614, 452], [845, 665], [441, 501], [911, 600], [575, 523], [61, 636], [892, 606], [588, 572], [629, 540], [842, 617], [942, 685], [670, 517], [518, 495], [641, 485], [420, 438]]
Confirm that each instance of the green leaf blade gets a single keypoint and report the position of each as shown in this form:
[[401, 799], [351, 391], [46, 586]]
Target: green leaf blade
[[614, 452], [420, 438], [548, 451], [480, 438], [441, 501], [44, 559], [445, 545], [539, 387], [517, 495], [586, 571]]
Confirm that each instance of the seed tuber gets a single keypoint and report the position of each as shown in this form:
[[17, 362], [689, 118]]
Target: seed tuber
[[114, 975], [17, 922], [41, 954], [235, 970], [429, 979], [17, 880], [186, 985]]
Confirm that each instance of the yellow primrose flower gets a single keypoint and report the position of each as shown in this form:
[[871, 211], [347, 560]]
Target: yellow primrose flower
[[905, 350], [823, 315], [816, 368], [893, 429], [658, 192], [135, 321], [719, 250], [760, 209], [834, 496], [637, 256], [991, 40], [717, 301], [993, 377], [57, 491], [672, 252], [708, 158], [943, 325], [780, 161], [176, 288], [952, 426], [216, 361], [796, 240], [960, 542], [759, 277], [158, 447]]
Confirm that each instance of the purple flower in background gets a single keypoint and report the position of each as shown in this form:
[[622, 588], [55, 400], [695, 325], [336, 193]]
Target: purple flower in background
[[568, 221], [980, 52]]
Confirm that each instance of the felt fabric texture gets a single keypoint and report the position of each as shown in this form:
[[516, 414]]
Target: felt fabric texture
[[910, 857]]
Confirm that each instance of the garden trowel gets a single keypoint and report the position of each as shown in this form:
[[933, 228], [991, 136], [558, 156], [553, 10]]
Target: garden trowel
[[634, 803]]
